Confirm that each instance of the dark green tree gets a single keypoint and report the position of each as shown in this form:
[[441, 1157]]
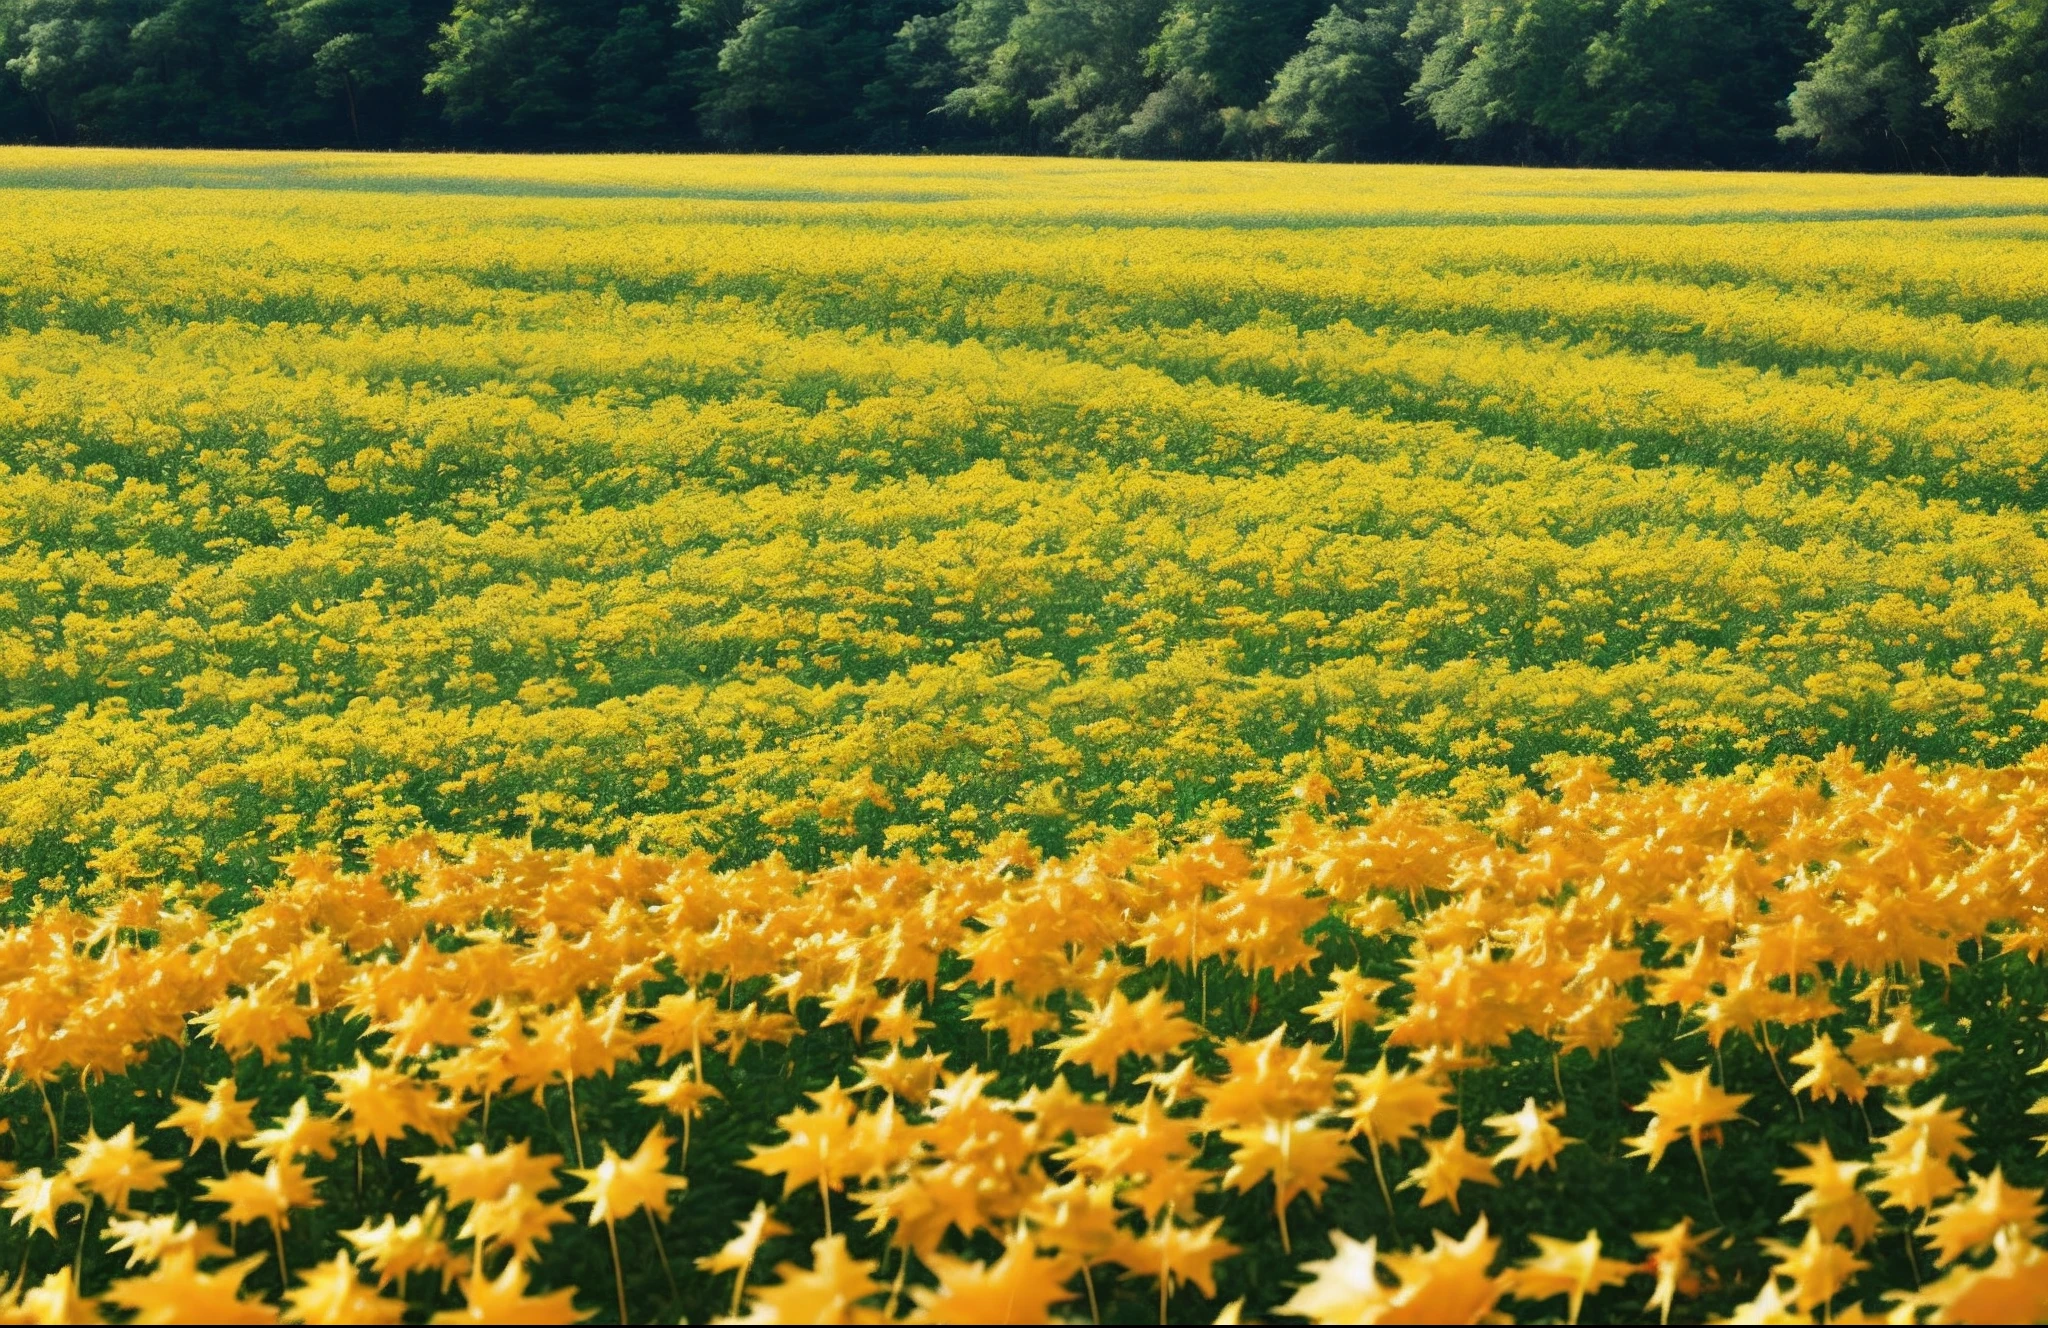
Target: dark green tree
[[1914, 84], [904, 106], [369, 55], [1234, 46], [1990, 72], [1343, 95], [1618, 81], [1210, 55], [567, 73], [68, 57], [1076, 69], [980, 99], [1868, 98], [795, 73], [172, 72]]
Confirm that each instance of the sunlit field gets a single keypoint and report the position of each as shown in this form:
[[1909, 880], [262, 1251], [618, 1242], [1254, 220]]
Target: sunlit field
[[980, 740]]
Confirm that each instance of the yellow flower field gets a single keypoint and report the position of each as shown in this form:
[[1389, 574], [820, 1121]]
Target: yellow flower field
[[991, 740]]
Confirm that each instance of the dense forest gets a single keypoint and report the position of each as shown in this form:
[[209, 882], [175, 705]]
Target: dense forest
[[1874, 84]]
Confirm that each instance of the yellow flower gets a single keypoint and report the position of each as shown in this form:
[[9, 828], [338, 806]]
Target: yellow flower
[[269, 1196], [1148, 1028], [222, 1119], [1671, 1255], [1300, 1156], [178, 1291], [1684, 1105], [621, 1186], [737, 1255], [380, 1103], [1449, 1167], [1022, 1286], [828, 1292], [36, 1199], [1572, 1269], [1344, 1288], [474, 1176], [396, 1250], [115, 1168], [503, 1299], [299, 1134], [1971, 1222], [1533, 1141], [1815, 1270], [1831, 1201], [1450, 1282], [154, 1239], [331, 1293]]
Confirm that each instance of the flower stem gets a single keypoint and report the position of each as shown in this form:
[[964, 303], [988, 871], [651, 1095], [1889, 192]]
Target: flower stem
[[739, 1285], [1699, 1155], [1380, 1172], [84, 1225], [284, 1272], [661, 1252], [896, 1290], [575, 1129], [611, 1232], [50, 1116]]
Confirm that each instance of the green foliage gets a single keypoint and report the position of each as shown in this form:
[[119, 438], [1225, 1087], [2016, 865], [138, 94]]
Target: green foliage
[[1076, 67], [165, 71], [1232, 47], [1341, 97], [562, 72], [1920, 84], [1627, 81], [1991, 70], [367, 52]]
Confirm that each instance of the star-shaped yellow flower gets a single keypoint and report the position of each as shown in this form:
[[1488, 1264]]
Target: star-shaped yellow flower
[[1533, 1141], [1449, 1167], [1684, 1106], [36, 1199], [737, 1255], [1020, 1287], [222, 1119], [396, 1250], [299, 1134], [1970, 1222], [503, 1299], [332, 1293], [1344, 1288], [1671, 1255], [1572, 1269], [1830, 1199], [829, 1291], [621, 1186], [180, 1292], [115, 1168]]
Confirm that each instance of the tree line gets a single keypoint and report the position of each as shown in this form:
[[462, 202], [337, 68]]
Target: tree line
[[1865, 84]]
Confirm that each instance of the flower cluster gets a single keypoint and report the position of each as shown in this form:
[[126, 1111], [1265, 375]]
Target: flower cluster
[[1007, 1088]]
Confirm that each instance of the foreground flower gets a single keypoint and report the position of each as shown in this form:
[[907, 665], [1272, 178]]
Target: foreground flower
[[332, 1293], [1572, 1269], [622, 1186], [180, 1292], [503, 1299]]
